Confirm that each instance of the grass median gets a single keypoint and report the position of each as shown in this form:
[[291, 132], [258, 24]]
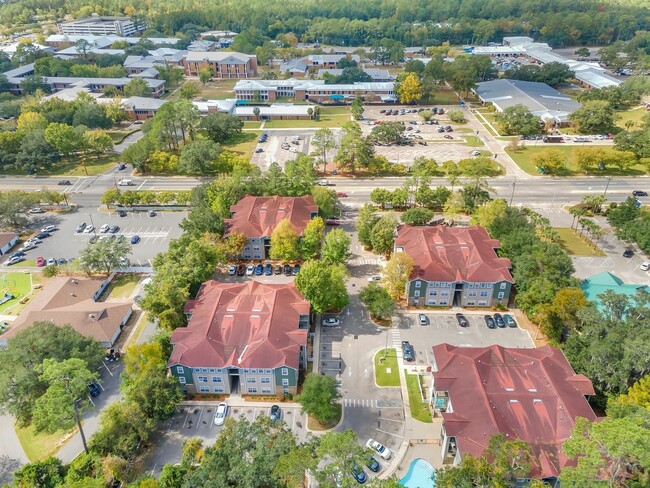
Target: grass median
[[386, 372], [575, 245], [419, 409]]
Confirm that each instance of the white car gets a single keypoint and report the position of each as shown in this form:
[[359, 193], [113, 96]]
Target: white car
[[48, 228], [89, 229], [104, 228], [374, 278], [293, 150], [250, 270], [645, 266], [331, 322], [382, 450], [476, 153], [28, 246], [323, 183], [232, 270], [51, 261], [220, 414], [35, 210]]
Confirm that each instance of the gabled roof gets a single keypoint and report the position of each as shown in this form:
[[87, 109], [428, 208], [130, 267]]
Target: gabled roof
[[452, 254], [7, 237], [245, 325], [221, 57], [258, 216], [528, 394]]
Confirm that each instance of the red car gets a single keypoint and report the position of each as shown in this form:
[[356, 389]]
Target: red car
[[333, 221], [40, 261], [341, 194]]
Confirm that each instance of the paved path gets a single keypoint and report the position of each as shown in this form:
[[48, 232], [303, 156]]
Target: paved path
[[12, 455], [128, 140]]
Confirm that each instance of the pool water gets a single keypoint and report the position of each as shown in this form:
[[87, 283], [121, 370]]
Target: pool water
[[420, 475]]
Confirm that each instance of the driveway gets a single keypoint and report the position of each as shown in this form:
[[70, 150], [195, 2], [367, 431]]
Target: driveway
[[12, 456], [128, 140]]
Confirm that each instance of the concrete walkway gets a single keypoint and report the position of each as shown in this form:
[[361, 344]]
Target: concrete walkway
[[12, 455], [128, 140]]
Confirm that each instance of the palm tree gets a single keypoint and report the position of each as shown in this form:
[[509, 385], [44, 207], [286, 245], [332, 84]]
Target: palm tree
[[577, 212], [256, 111]]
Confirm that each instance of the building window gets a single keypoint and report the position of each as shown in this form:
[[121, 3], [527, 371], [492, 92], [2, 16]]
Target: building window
[[484, 293], [218, 389], [267, 390], [204, 389], [251, 380], [202, 379], [471, 304], [216, 379], [444, 293], [265, 380], [471, 293], [443, 302], [433, 293], [482, 303], [179, 369], [181, 380], [503, 286], [285, 371], [431, 302], [418, 284], [252, 390], [501, 294], [285, 382], [204, 370], [212, 370], [218, 370]]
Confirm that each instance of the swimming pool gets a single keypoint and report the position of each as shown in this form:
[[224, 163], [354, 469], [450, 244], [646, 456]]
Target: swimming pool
[[420, 475]]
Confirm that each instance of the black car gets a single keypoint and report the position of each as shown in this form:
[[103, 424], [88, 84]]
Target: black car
[[121, 213], [152, 213], [42, 235], [510, 320], [462, 320], [241, 270], [640, 193], [287, 270], [499, 320], [296, 269], [407, 351], [489, 321], [278, 269], [627, 254], [373, 465], [64, 182], [94, 389], [276, 413], [121, 166]]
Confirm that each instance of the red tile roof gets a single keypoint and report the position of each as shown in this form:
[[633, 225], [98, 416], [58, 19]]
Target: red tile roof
[[528, 394], [453, 254], [246, 325], [258, 216]]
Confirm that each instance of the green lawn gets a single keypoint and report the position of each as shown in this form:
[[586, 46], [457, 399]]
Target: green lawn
[[17, 284], [40, 446], [218, 90], [118, 136], [634, 115], [482, 116], [523, 158], [123, 285], [243, 143], [382, 375], [252, 124], [74, 167], [576, 245], [473, 141], [445, 97], [419, 409], [325, 121]]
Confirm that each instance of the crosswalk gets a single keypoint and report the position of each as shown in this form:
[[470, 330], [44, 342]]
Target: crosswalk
[[396, 340], [355, 402], [366, 261]]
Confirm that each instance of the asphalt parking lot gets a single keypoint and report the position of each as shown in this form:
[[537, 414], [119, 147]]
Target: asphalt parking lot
[[155, 232], [198, 421], [273, 151]]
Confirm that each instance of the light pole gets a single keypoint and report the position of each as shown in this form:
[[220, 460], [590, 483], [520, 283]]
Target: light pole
[[512, 195], [93, 224], [385, 346], [609, 179]]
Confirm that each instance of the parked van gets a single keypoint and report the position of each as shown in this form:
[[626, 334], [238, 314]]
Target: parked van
[[125, 183]]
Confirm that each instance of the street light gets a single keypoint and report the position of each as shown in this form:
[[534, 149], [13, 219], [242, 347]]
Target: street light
[[93, 224], [609, 179], [512, 195]]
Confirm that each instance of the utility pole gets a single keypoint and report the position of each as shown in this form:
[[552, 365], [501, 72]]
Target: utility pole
[[512, 195], [81, 430], [609, 179]]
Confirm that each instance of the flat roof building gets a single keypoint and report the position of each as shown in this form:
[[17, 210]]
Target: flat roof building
[[101, 25]]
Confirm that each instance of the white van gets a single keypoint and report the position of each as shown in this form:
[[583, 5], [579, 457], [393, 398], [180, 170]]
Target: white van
[[125, 183]]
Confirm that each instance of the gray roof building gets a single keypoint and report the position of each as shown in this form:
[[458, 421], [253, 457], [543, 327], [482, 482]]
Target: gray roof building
[[374, 73], [542, 100]]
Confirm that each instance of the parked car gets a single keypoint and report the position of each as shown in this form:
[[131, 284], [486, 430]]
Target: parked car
[[241, 270], [287, 270], [447, 136], [121, 213], [331, 322], [51, 261], [476, 153], [359, 474], [61, 261], [268, 269], [407, 351], [383, 451], [296, 269], [104, 228], [232, 270], [220, 414], [42, 235], [48, 228], [89, 229], [489, 321], [628, 253], [278, 269], [341, 194], [645, 266], [135, 239], [498, 318], [640, 193], [152, 213], [275, 413], [259, 150], [40, 261], [94, 389], [462, 320], [373, 465], [250, 270], [114, 229], [121, 166], [28, 246], [510, 320], [259, 269], [333, 221], [81, 227], [36, 210], [374, 278], [14, 260], [423, 319], [323, 183]]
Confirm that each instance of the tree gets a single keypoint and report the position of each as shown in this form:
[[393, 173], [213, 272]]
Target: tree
[[594, 117], [583, 52], [137, 87], [518, 120], [172, 75], [379, 302], [63, 138], [417, 216], [199, 157], [146, 383], [34, 84], [614, 450], [388, 133], [409, 89], [324, 141], [104, 256], [311, 240], [380, 196], [31, 121], [323, 285], [550, 161], [456, 116], [284, 242], [67, 384], [189, 90], [320, 397], [355, 150], [20, 382], [48, 473], [414, 66], [338, 452], [356, 109], [123, 429], [336, 248], [221, 127], [638, 394], [382, 235], [397, 272], [205, 75], [97, 141], [365, 223], [92, 116]]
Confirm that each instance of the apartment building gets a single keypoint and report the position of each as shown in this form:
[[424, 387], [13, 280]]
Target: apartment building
[[224, 65]]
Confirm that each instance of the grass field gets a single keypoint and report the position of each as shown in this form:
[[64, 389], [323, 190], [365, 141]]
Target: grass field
[[419, 409], [445, 97], [243, 143], [218, 90], [483, 115], [39, 446], [523, 158], [329, 117], [634, 115], [473, 141], [123, 285], [382, 374], [252, 124], [18, 284], [118, 136], [74, 167], [575, 245]]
